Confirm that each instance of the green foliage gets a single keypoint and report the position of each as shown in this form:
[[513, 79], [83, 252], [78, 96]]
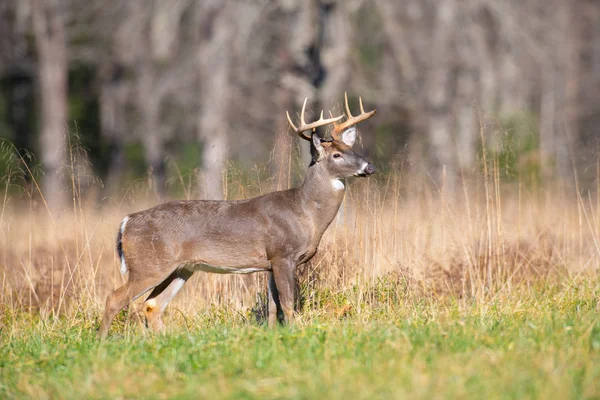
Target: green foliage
[[18, 169], [190, 156], [515, 147], [6, 159], [538, 344], [4, 129], [183, 171], [18, 111], [371, 47], [84, 115], [389, 138], [134, 154]]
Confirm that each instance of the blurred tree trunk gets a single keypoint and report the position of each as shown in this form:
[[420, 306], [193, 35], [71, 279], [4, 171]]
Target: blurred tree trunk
[[113, 124], [438, 97], [286, 94], [484, 35], [337, 42], [467, 132], [466, 93], [49, 30], [306, 48], [561, 145], [397, 40], [514, 89], [315, 59], [582, 88], [158, 41], [215, 64], [284, 136], [553, 129], [152, 138], [282, 152]]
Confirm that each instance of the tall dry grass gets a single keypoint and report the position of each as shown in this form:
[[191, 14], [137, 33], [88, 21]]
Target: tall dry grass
[[480, 243]]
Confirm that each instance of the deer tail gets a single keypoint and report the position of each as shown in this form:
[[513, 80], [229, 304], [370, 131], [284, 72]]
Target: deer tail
[[120, 246]]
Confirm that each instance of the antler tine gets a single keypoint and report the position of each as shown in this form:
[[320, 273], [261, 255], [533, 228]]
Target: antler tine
[[347, 106], [302, 123], [290, 122], [313, 125], [335, 123], [352, 120]]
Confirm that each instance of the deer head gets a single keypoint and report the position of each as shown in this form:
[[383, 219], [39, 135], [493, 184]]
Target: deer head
[[336, 155]]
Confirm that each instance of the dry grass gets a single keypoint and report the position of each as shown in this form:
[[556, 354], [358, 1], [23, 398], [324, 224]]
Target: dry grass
[[478, 245], [490, 293]]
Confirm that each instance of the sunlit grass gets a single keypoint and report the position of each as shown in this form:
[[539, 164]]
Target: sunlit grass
[[491, 291], [541, 343]]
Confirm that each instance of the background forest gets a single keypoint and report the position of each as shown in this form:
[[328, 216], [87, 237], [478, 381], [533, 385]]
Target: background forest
[[184, 87]]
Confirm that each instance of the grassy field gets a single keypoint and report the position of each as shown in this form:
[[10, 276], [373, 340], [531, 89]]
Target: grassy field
[[539, 343], [490, 291]]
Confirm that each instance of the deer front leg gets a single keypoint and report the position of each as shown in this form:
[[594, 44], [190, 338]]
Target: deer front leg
[[284, 275], [274, 303]]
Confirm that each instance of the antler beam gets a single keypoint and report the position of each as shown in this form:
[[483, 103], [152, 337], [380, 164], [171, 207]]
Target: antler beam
[[313, 125], [352, 120]]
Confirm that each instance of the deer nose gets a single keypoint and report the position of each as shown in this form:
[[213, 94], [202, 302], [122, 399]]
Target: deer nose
[[370, 169]]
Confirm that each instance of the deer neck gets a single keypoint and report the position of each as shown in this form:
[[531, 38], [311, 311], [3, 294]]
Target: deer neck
[[321, 196]]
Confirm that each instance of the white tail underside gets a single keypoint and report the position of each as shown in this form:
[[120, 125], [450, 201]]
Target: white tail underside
[[123, 264]]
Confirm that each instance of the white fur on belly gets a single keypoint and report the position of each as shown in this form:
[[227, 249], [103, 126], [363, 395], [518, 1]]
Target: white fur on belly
[[223, 270]]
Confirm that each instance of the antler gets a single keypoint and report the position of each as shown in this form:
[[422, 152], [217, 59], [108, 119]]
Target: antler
[[313, 125], [352, 120]]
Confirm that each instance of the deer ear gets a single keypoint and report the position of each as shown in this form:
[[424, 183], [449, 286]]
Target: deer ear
[[349, 136], [317, 147]]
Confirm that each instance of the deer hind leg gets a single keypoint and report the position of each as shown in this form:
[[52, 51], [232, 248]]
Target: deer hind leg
[[161, 296], [120, 298], [283, 274]]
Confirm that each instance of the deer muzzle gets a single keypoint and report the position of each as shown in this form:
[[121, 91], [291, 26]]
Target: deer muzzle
[[367, 169]]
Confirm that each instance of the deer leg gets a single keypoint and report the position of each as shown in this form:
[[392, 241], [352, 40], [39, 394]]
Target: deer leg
[[274, 303], [120, 298], [161, 296], [283, 272]]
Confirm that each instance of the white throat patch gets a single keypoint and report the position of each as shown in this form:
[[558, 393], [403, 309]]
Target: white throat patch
[[337, 184]]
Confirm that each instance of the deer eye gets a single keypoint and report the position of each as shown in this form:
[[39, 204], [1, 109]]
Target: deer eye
[[337, 155]]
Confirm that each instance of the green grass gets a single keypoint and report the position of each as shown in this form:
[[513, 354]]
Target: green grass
[[541, 343]]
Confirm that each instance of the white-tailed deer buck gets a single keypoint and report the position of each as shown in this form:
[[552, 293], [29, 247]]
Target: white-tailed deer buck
[[162, 247]]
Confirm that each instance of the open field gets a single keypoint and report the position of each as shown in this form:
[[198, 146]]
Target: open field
[[537, 343], [414, 293]]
